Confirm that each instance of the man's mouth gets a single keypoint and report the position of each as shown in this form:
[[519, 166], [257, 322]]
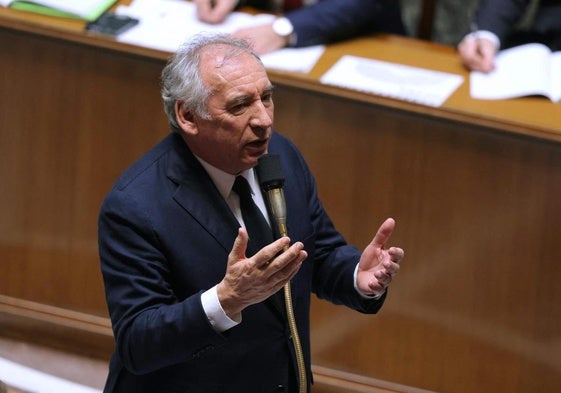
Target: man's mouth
[[258, 144]]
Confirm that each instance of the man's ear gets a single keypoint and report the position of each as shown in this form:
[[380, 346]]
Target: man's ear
[[185, 119]]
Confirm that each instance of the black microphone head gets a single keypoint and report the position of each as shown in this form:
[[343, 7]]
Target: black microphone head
[[269, 172]]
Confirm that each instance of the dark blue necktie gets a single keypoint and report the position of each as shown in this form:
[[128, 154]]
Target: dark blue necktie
[[260, 233]]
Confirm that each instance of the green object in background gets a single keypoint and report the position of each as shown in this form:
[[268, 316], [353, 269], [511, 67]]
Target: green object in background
[[90, 13]]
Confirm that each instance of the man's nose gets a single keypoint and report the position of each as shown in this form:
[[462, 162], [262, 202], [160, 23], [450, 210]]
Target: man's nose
[[262, 116]]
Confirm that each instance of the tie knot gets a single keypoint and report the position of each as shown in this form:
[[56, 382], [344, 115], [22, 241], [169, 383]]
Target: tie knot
[[242, 188]]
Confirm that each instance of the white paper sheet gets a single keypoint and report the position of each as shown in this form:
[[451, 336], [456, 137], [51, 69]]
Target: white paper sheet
[[525, 70], [294, 59], [30, 380], [166, 24], [393, 80]]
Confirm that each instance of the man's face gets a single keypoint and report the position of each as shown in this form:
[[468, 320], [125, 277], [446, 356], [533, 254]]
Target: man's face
[[240, 108]]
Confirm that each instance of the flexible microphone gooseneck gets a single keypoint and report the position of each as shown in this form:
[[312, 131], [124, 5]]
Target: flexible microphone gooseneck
[[271, 179]]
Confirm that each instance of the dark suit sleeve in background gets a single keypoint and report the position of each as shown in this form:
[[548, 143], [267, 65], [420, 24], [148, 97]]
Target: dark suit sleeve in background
[[334, 20]]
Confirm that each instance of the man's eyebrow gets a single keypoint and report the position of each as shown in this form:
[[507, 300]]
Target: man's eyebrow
[[244, 98], [237, 100]]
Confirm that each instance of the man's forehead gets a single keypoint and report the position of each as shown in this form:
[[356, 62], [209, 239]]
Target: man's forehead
[[221, 69], [219, 55]]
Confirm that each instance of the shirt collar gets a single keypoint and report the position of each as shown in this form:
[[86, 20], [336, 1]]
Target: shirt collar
[[224, 181]]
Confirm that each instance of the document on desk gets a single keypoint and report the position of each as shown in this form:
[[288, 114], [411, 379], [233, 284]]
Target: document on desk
[[166, 24], [525, 70], [419, 85]]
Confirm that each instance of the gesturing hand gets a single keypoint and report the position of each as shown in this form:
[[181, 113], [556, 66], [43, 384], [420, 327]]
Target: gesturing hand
[[377, 265], [252, 280]]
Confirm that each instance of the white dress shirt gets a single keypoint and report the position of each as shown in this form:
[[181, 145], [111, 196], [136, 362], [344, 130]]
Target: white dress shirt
[[224, 182]]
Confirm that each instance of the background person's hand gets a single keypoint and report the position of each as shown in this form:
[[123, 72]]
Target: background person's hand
[[262, 38], [477, 54], [214, 11]]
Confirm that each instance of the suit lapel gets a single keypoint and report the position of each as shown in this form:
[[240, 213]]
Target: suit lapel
[[198, 195]]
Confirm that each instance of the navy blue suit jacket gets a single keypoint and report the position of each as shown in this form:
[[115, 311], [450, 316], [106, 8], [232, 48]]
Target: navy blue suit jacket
[[164, 237], [334, 20], [502, 16]]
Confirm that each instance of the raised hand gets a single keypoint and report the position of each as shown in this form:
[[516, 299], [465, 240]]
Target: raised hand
[[378, 265], [252, 280]]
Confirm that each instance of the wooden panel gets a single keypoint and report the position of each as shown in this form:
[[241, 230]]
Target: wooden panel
[[475, 305], [72, 120], [77, 332]]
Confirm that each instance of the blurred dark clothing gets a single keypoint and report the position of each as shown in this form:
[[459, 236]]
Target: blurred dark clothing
[[335, 20], [502, 17]]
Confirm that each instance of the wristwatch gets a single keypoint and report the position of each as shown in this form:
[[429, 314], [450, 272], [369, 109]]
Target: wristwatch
[[283, 27]]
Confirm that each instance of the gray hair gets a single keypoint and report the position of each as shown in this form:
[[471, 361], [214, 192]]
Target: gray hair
[[181, 77]]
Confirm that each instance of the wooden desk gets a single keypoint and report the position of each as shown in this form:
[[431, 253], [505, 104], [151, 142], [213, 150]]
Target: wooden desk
[[474, 186]]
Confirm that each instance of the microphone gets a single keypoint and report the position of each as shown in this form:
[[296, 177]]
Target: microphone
[[271, 180]]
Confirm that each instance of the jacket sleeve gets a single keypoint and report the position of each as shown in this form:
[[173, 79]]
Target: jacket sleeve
[[499, 16], [152, 328], [333, 20]]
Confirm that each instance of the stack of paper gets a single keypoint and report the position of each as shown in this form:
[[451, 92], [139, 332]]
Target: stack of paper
[[526, 70], [393, 80]]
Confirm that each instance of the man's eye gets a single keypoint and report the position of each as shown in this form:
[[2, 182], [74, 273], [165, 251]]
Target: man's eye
[[238, 108]]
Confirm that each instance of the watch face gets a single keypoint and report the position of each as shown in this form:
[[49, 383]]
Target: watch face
[[282, 27]]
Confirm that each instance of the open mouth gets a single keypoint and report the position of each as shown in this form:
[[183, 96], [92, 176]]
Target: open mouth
[[258, 144]]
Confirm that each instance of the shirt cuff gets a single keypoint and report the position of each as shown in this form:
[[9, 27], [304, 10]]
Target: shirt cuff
[[214, 312], [361, 293], [484, 34]]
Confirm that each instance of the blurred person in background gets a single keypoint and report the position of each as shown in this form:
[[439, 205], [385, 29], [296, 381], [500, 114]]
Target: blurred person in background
[[304, 23], [495, 26]]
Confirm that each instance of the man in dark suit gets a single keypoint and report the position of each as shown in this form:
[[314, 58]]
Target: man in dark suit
[[495, 26], [193, 308], [309, 22]]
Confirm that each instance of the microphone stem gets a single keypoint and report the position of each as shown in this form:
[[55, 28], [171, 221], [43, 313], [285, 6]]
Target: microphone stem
[[303, 384], [278, 209]]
